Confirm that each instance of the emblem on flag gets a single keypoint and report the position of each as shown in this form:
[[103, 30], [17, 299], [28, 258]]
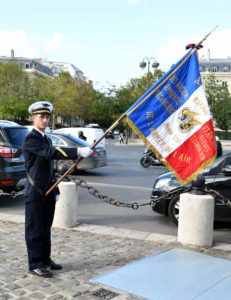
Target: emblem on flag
[[174, 119]]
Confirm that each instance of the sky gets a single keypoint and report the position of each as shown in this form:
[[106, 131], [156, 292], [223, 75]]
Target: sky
[[107, 39]]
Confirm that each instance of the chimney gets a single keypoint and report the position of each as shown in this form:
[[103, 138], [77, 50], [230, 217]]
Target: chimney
[[12, 54], [208, 54]]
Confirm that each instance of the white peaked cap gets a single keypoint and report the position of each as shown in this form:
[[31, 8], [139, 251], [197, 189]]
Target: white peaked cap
[[40, 107]]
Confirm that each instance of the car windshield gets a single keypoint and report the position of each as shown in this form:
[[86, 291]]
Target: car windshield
[[17, 135], [216, 167]]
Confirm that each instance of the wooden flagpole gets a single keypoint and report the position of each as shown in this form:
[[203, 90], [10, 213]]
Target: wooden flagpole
[[80, 158]]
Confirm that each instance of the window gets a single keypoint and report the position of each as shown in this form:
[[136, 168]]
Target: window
[[56, 141], [226, 69], [201, 69], [214, 69], [224, 83], [17, 135]]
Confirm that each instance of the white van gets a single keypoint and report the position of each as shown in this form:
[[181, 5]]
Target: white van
[[92, 134]]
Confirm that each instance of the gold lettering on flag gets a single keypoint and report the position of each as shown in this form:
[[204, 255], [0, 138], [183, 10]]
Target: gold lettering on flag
[[172, 94], [183, 157], [198, 147], [169, 130], [201, 105], [174, 79], [168, 106], [158, 139]]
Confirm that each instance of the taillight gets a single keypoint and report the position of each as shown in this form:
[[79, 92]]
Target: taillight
[[7, 151], [7, 182], [94, 153]]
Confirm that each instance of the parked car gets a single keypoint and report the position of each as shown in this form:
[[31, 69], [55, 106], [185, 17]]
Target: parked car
[[30, 127], [217, 177], [116, 131], [110, 135], [12, 168], [92, 134], [97, 159], [219, 147], [9, 122]]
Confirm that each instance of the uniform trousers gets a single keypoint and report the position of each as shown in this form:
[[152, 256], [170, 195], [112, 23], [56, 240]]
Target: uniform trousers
[[39, 217]]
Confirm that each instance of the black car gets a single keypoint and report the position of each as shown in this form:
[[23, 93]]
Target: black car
[[97, 159], [12, 168], [217, 178]]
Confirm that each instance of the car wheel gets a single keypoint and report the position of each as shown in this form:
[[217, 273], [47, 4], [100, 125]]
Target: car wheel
[[145, 162], [174, 209], [62, 166]]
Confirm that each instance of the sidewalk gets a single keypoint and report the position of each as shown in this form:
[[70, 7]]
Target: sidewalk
[[84, 251]]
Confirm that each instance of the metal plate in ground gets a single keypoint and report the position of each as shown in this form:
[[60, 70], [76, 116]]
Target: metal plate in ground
[[104, 294], [175, 274]]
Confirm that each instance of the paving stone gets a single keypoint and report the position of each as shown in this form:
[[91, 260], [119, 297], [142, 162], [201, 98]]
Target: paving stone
[[84, 253]]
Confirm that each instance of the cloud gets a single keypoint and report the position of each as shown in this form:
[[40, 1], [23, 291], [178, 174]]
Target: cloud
[[219, 44], [54, 47], [55, 42], [169, 53], [20, 42]]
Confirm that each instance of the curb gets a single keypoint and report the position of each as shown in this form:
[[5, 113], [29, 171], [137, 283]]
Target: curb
[[117, 232], [104, 230]]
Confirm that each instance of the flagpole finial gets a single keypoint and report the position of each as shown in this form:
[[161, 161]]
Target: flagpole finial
[[199, 45], [205, 37], [192, 46]]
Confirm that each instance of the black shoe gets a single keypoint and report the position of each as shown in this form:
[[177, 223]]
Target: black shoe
[[52, 265], [41, 272]]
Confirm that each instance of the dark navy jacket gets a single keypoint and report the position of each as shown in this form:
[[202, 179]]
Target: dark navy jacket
[[39, 154]]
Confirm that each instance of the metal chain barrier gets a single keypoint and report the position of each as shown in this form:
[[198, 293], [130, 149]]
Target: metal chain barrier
[[218, 197], [94, 192], [13, 194]]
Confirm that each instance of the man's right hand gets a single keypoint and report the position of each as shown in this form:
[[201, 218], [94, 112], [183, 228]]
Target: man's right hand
[[85, 152]]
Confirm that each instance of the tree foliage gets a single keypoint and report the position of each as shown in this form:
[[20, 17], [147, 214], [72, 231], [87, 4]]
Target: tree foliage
[[14, 91], [219, 100], [71, 98]]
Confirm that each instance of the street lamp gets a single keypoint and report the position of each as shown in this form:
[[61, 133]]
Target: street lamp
[[143, 65]]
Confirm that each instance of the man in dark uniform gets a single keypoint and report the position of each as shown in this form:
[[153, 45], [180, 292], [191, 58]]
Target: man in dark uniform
[[39, 210]]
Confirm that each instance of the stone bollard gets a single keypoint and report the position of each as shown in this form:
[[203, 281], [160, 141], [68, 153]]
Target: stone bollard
[[196, 220], [66, 206]]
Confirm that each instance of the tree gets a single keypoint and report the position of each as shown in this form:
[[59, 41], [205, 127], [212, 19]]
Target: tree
[[219, 100], [14, 91], [133, 90]]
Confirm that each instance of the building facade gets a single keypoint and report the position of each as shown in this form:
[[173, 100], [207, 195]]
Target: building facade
[[59, 67], [29, 65], [221, 68], [44, 68]]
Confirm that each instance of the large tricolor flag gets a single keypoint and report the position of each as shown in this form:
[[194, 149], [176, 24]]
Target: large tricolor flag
[[174, 120]]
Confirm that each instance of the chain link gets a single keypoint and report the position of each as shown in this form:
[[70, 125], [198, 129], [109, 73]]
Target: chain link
[[13, 194], [218, 197], [94, 192]]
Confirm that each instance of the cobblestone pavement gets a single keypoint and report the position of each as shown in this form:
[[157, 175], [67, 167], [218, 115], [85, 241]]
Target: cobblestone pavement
[[84, 252]]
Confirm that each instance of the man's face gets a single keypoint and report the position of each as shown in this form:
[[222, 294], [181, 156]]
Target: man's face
[[41, 121]]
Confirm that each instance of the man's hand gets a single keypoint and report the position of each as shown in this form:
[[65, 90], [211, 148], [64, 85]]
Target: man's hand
[[84, 152]]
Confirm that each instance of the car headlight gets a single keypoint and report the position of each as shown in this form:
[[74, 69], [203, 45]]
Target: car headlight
[[167, 184]]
